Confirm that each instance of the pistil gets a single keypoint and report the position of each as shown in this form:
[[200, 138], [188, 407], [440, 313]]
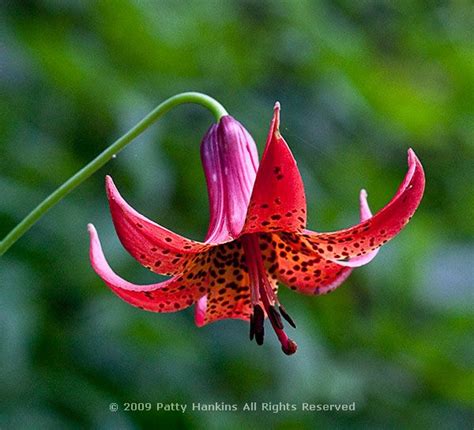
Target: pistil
[[262, 293]]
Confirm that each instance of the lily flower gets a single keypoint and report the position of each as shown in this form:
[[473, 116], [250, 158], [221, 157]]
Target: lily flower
[[257, 237]]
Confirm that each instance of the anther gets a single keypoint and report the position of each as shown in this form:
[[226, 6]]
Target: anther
[[252, 326], [286, 316], [258, 320], [275, 317]]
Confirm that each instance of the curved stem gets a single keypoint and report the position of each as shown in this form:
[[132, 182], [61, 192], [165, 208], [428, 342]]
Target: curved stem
[[190, 97]]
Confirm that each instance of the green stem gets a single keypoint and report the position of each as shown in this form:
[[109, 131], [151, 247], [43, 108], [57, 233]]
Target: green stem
[[191, 97]]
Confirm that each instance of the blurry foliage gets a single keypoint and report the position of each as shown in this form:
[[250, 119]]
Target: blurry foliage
[[359, 82]]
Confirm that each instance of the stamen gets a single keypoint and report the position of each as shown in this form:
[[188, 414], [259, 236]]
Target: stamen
[[275, 316], [262, 292], [266, 284], [287, 345], [259, 330], [285, 315]]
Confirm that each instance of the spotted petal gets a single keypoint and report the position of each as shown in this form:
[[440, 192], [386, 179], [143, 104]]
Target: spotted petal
[[311, 275], [278, 201], [229, 287], [308, 272], [155, 247], [172, 295], [351, 244]]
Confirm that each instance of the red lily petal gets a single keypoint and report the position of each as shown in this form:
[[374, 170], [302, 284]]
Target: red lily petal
[[208, 308], [155, 247], [309, 273], [171, 295], [229, 292], [200, 311], [278, 201], [230, 160], [345, 245]]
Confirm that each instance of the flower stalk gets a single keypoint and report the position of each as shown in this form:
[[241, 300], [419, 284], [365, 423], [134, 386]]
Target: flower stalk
[[56, 196]]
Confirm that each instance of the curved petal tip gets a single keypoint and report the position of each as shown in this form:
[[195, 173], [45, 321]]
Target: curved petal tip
[[365, 212], [276, 119], [355, 244], [413, 160], [415, 176], [110, 187], [92, 231], [200, 311]]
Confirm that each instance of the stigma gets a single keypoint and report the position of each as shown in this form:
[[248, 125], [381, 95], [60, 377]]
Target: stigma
[[264, 298]]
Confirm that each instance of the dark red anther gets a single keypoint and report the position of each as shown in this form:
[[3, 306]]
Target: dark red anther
[[258, 320], [286, 316], [275, 317], [259, 337]]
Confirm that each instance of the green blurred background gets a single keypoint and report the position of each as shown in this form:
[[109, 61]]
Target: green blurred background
[[359, 83]]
